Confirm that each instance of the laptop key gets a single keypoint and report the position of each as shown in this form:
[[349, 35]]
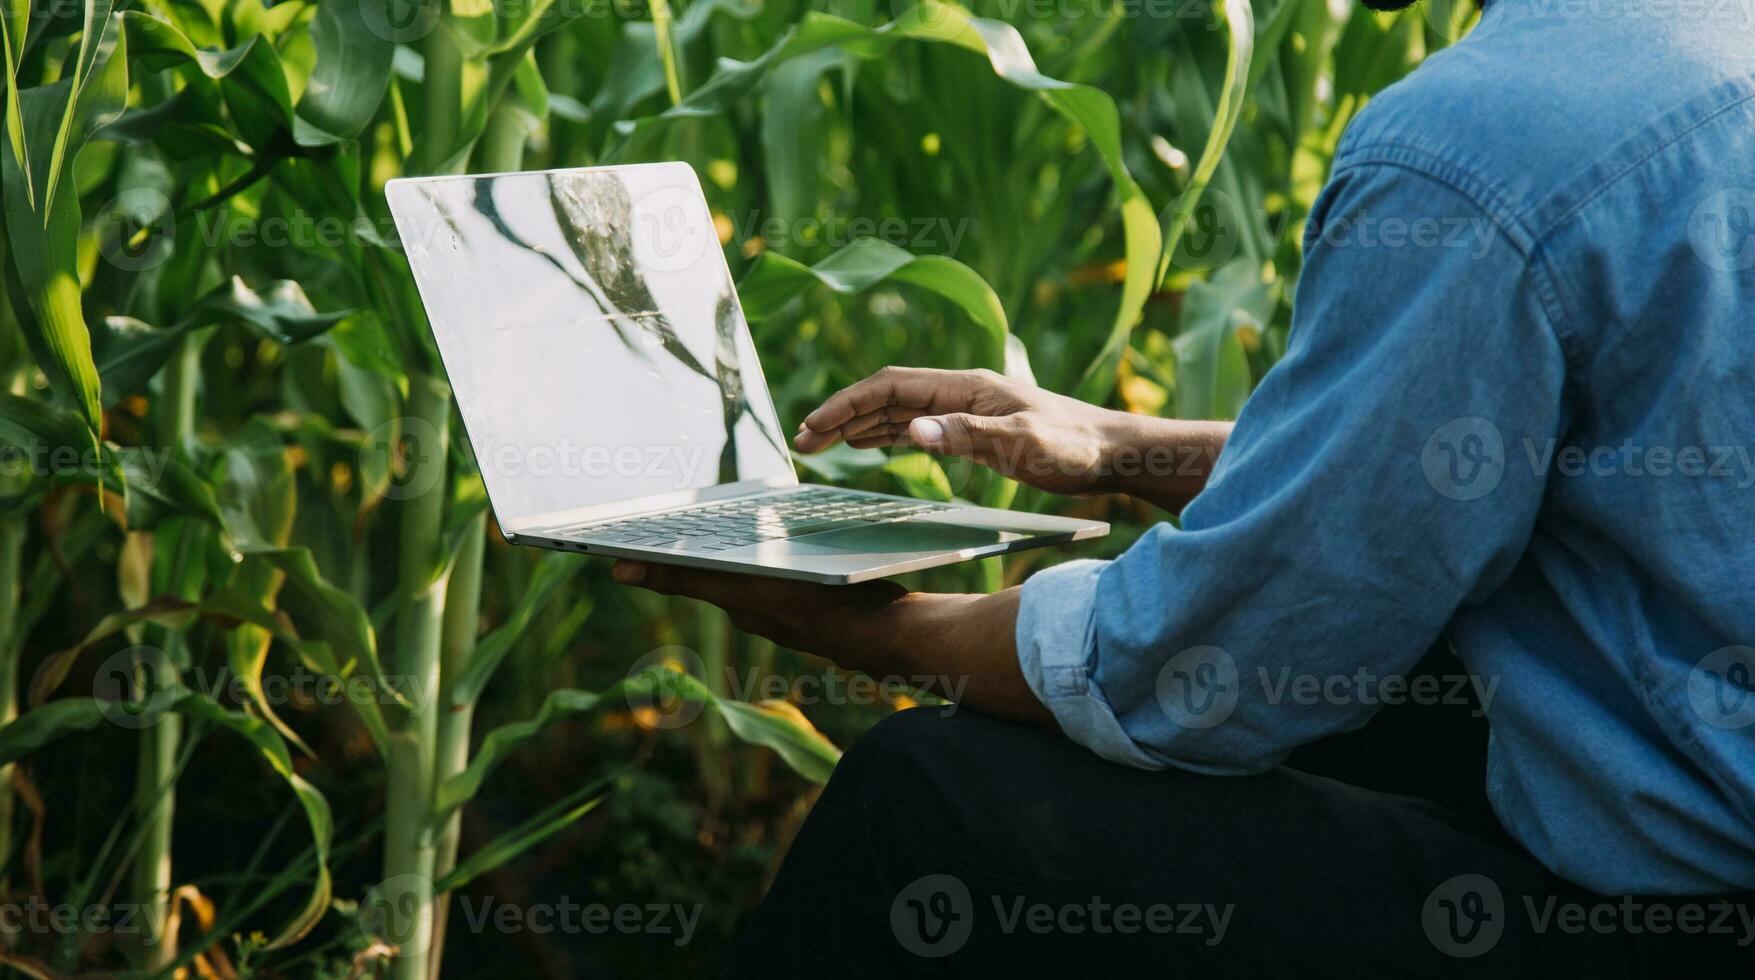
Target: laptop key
[[733, 524]]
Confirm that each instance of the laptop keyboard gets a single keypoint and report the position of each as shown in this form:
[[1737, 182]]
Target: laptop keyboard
[[750, 520]]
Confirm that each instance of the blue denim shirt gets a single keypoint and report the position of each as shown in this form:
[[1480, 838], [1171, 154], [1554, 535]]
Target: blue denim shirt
[[1517, 410]]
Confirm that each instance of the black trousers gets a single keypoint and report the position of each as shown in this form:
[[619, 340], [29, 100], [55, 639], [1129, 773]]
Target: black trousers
[[949, 843]]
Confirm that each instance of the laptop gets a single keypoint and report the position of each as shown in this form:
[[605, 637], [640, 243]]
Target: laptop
[[611, 392]]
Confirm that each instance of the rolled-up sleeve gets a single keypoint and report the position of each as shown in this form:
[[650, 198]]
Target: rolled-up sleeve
[[1383, 475]]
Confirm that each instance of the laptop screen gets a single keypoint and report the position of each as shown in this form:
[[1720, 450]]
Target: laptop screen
[[592, 337]]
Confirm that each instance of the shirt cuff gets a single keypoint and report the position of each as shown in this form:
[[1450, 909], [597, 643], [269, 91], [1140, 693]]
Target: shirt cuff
[[1057, 646]]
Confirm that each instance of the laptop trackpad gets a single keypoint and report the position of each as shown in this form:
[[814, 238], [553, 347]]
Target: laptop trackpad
[[896, 537]]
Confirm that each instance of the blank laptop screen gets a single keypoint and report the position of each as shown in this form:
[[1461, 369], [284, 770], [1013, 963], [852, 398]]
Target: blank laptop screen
[[591, 334]]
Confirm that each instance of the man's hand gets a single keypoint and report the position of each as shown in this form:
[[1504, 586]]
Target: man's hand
[[1046, 440], [965, 643], [1049, 441], [853, 625]]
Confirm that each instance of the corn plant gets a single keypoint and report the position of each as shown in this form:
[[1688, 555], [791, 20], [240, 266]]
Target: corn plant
[[271, 477]]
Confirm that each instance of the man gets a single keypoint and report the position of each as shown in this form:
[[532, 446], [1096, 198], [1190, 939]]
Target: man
[[1514, 414]]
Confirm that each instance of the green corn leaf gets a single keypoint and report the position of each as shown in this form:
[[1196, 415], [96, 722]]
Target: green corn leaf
[[43, 210], [1212, 373], [777, 726], [793, 132], [1239, 23], [50, 722], [159, 44], [14, 24], [97, 45], [774, 280], [46, 724], [1099, 378], [931, 21], [550, 821], [350, 77], [505, 63], [502, 741], [169, 611], [336, 635], [280, 313], [35, 430], [256, 89], [552, 571], [158, 483], [258, 492], [129, 353], [842, 463], [636, 73], [161, 485], [316, 808], [815, 32], [920, 475]]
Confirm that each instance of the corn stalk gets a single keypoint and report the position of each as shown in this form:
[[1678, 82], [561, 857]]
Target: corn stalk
[[410, 841], [411, 834], [457, 645], [12, 533], [155, 799], [501, 150]]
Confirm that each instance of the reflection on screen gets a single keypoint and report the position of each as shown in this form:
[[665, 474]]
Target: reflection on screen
[[589, 328]]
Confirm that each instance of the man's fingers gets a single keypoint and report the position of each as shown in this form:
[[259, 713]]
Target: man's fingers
[[812, 441], [719, 588], [727, 590], [877, 441], [961, 434], [883, 420], [879, 428], [920, 388]]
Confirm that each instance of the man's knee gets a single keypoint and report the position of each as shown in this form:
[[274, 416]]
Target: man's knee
[[935, 753], [899, 742]]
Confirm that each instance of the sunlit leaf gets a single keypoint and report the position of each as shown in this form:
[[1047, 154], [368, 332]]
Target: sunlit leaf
[[774, 280]]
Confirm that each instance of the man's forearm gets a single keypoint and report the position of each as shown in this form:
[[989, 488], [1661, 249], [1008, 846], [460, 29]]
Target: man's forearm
[[969, 642], [1162, 461]]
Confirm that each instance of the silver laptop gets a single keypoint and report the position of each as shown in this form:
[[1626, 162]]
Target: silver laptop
[[611, 390]]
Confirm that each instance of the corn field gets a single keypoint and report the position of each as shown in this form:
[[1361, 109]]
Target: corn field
[[276, 698]]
